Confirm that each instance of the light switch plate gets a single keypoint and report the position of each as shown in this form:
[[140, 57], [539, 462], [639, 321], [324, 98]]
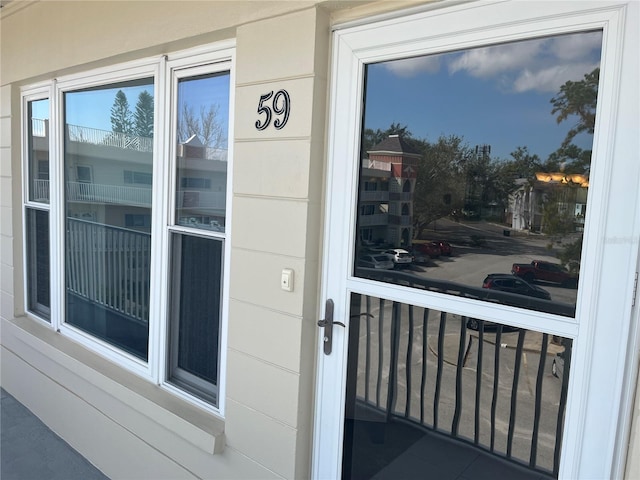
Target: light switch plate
[[286, 280]]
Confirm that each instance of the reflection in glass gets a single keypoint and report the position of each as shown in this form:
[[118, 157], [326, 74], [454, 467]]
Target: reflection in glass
[[37, 220], [38, 125], [201, 180], [477, 162], [432, 394], [108, 170], [38, 262], [195, 314]]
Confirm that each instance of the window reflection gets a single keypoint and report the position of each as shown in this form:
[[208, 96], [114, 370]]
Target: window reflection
[[108, 176], [39, 151], [431, 394], [477, 162], [202, 127]]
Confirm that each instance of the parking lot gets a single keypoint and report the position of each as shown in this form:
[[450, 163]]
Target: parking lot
[[480, 248]]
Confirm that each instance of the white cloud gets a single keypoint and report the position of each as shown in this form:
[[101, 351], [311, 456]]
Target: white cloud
[[410, 67], [575, 47], [542, 65], [552, 78], [489, 62]]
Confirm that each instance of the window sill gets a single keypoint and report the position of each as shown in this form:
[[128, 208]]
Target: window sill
[[141, 407]]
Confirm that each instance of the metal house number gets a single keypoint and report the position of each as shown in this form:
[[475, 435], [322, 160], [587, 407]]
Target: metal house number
[[280, 105]]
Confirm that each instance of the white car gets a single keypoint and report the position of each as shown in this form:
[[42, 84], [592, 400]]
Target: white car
[[399, 256], [380, 262]]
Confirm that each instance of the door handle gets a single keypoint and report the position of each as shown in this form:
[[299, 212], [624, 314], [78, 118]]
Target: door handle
[[328, 324]]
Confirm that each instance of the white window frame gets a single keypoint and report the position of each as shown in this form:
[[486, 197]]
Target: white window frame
[[32, 94], [593, 448], [178, 68], [220, 56]]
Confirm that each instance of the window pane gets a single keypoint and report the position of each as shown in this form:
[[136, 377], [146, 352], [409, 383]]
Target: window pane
[[38, 296], [421, 381], [195, 314], [108, 234], [202, 129], [38, 124], [477, 162]]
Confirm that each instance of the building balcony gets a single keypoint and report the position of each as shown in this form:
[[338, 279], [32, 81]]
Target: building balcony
[[380, 219], [400, 220], [400, 196], [374, 196]]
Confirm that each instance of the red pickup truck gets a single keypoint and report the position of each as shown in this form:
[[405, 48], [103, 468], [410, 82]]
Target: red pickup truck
[[545, 271]]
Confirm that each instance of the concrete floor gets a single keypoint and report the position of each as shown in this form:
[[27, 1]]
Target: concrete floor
[[29, 450]]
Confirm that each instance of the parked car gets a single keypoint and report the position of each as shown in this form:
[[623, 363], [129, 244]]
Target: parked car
[[399, 256], [424, 251], [381, 262], [545, 271], [431, 249], [445, 248], [510, 283]]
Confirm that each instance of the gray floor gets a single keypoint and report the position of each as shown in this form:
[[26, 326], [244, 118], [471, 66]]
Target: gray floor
[[31, 451]]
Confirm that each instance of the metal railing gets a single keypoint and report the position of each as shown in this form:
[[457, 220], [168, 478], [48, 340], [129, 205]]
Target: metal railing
[[115, 194], [94, 136], [492, 387], [109, 266], [370, 220]]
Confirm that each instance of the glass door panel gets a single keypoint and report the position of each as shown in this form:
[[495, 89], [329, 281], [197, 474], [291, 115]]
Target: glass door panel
[[432, 394], [475, 169]]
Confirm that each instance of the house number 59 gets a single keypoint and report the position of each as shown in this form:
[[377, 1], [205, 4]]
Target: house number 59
[[280, 106]]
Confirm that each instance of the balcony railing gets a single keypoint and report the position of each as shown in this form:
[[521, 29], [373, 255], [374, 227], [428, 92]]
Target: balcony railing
[[115, 194], [109, 266], [372, 220], [401, 220], [201, 199], [96, 192], [374, 196], [400, 196], [94, 136], [490, 387]]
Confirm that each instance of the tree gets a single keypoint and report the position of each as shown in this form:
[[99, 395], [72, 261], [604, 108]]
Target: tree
[[373, 137], [206, 126], [121, 118], [574, 99], [578, 98], [143, 116], [440, 182]]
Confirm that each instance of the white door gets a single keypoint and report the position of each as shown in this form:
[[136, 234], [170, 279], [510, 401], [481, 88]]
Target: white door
[[449, 126]]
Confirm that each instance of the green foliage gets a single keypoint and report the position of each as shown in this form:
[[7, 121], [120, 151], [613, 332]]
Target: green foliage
[[577, 98], [440, 185], [557, 220], [143, 116], [571, 254], [121, 118], [371, 138]]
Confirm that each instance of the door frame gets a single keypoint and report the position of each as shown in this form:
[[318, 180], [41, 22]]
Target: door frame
[[605, 351]]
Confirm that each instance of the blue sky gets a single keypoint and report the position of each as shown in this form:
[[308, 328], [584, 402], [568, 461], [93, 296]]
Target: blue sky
[[498, 95], [92, 108]]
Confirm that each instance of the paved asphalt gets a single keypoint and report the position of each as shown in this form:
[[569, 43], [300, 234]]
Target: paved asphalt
[[29, 450]]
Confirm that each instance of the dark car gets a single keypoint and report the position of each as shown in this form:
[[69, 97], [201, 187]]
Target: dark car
[[445, 248], [512, 284]]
